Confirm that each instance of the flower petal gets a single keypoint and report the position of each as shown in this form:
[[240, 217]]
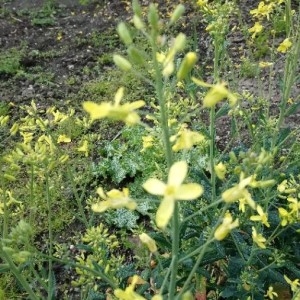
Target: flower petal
[[189, 191], [154, 186], [164, 212], [97, 111], [177, 173]]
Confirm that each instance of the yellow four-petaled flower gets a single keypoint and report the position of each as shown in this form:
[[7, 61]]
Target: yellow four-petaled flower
[[172, 191]]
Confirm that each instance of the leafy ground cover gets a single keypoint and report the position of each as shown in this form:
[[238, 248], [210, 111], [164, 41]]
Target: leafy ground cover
[[113, 115]]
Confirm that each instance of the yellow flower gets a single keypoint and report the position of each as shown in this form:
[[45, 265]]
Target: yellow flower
[[114, 111], [261, 217], [294, 204], [256, 28], [129, 293], [147, 142], [270, 293], [187, 139], [84, 148], [227, 225], [284, 46], [258, 239], [220, 170], [246, 199], [172, 191], [293, 284], [282, 186], [27, 136], [113, 199], [202, 2], [63, 139], [150, 243], [284, 216], [238, 191], [263, 10], [217, 93]]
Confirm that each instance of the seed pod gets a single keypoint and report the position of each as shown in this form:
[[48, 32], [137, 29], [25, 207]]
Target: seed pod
[[186, 65], [177, 13], [124, 34], [122, 62]]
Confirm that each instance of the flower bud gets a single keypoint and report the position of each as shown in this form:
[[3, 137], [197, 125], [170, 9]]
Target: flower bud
[[3, 120], [177, 13], [136, 8], [124, 34], [153, 16], [220, 170], [14, 129], [186, 65], [180, 42], [136, 55], [148, 241], [122, 62], [138, 23]]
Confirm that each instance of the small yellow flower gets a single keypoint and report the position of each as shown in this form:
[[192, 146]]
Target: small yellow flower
[[227, 225], [270, 293], [220, 170], [295, 285], [238, 191], [256, 28], [284, 216], [148, 241], [284, 46], [187, 139], [261, 217], [282, 186], [59, 36], [202, 2], [63, 139], [172, 191], [115, 111], [217, 93], [129, 293], [258, 239], [294, 204], [147, 142], [84, 148], [113, 199], [263, 10]]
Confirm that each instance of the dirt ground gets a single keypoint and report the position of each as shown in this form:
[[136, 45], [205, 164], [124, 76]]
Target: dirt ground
[[60, 44]]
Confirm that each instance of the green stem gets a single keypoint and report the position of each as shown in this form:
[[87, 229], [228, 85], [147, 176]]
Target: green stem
[[17, 274], [159, 88], [290, 74], [50, 235], [212, 132], [201, 254]]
